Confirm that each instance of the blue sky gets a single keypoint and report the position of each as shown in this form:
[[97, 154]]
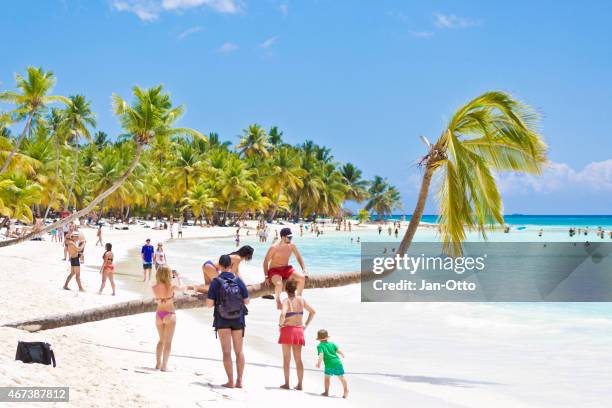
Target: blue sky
[[364, 78]]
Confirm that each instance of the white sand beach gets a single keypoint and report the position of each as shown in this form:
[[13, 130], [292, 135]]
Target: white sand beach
[[422, 355]]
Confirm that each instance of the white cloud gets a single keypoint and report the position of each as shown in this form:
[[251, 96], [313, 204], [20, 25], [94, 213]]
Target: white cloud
[[145, 10], [188, 32], [453, 21], [284, 8], [559, 177], [150, 10], [423, 34], [227, 48], [269, 42], [222, 6]]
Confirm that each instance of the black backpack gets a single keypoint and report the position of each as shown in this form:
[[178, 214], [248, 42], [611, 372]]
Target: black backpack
[[230, 304], [35, 352]]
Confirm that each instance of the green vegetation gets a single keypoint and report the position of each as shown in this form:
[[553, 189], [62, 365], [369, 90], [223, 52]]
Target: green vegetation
[[60, 161]]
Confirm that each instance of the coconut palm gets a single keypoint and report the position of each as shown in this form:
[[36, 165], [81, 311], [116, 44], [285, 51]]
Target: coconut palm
[[356, 186], [275, 137], [19, 196], [235, 181], [254, 142], [333, 193], [31, 101], [384, 198], [151, 114], [185, 166], [159, 190], [55, 121], [200, 201], [21, 163], [41, 150], [492, 132], [254, 201], [285, 174], [100, 139], [215, 142], [78, 116]]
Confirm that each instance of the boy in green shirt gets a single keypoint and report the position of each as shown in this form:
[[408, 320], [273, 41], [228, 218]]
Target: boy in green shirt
[[328, 353]]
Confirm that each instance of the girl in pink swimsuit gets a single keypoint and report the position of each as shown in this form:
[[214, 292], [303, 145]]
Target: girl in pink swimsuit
[[165, 315]]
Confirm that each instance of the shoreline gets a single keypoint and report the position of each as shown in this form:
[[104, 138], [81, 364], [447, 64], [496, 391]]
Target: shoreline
[[434, 355]]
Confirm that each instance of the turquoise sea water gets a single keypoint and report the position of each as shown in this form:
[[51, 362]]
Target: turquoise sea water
[[592, 221], [340, 252]]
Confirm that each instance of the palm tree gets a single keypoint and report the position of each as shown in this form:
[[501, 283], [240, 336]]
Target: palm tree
[[151, 114], [275, 137], [19, 195], [40, 149], [77, 117], [235, 181], [185, 166], [31, 101], [55, 121], [356, 186], [384, 198], [254, 201], [254, 142], [285, 174], [100, 139], [200, 201], [333, 193], [21, 162], [491, 132], [215, 142]]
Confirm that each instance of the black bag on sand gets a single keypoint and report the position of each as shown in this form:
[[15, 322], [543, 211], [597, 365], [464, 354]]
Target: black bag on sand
[[35, 352]]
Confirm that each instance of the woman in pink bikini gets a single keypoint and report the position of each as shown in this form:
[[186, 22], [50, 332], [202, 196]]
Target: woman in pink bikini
[[292, 331], [165, 316], [108, 268]]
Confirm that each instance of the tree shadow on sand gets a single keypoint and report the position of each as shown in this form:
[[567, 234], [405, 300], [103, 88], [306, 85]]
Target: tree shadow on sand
[[447, 381]]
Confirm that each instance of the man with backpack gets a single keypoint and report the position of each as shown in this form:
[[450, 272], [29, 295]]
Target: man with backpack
[[229, 296]]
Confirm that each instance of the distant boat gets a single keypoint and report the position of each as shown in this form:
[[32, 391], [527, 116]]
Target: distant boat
[[521, 228]]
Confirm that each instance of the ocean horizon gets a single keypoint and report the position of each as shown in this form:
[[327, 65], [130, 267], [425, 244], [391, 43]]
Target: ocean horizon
[[556, 220]]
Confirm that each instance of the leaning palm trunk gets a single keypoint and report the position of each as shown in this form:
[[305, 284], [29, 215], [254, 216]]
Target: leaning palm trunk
[[181, 302], [86, 210], [74, 172], [418, 212], [26, 130]]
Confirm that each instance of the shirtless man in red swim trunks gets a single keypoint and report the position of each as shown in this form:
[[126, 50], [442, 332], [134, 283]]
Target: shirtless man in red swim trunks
[[276, 265]]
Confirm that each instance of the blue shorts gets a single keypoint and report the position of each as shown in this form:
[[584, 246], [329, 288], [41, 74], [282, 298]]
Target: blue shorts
[[147, 265], [335, 370]]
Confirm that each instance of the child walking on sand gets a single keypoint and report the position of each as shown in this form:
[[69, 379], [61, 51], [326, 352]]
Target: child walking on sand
[[328, 353]]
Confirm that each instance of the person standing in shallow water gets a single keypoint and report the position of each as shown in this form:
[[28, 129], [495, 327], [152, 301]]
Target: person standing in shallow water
[[292, 332], [229, 296]]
